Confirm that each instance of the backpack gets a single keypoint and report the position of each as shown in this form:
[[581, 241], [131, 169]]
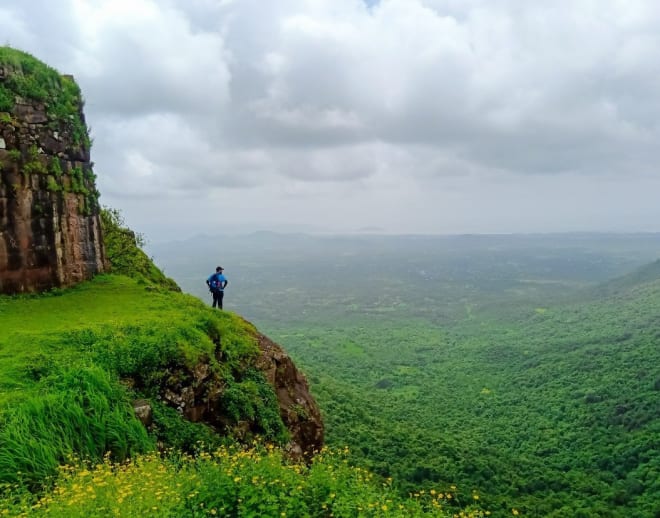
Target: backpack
[[215, 284]]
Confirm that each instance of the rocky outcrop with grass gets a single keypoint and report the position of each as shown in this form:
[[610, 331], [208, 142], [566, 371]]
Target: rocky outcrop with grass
[[49, 214], [240, 384], [298, 409], [262, 395]]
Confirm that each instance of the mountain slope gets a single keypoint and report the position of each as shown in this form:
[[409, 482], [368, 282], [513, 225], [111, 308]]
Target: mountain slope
[[649, 273], [552, 410]]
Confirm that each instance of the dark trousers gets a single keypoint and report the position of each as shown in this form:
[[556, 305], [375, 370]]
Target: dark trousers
[[217, 298]]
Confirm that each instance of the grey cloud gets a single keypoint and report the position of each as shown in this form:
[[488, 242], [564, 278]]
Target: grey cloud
[[27, 26], [163, 154], [533, 115], [187, 98], [152, 62]]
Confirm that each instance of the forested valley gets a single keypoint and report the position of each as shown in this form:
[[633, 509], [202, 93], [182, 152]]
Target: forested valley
[[519, 371]]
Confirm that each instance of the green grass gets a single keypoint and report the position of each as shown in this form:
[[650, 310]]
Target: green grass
[[34, 323], [43, 329], [106, 299], [65, 356], [80, 411]]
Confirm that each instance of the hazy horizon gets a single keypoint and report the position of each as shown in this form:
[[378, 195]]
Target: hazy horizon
[[292, 231]]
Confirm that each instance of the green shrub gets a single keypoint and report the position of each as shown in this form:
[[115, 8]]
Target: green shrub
[[253, 399], [34, 166], [52, 185], [35, 80], [172, 429], [7, 99], [56, 167], [142, 352], [123, 248], [78, 412]]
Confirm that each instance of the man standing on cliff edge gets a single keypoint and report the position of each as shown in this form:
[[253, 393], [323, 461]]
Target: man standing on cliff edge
[[217, 282]]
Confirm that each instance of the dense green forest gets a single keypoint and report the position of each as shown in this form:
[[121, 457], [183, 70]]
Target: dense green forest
[[526, 368]]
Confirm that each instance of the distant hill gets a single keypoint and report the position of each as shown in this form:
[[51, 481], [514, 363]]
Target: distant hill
[[646, 274]]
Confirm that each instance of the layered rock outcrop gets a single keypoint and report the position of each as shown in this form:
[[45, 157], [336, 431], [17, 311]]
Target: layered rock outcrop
[[50, 232], [298, 409], [199, 394]]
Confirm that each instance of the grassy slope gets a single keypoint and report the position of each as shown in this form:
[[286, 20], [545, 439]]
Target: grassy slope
[[62, 357], [107, 300], [40, 329]]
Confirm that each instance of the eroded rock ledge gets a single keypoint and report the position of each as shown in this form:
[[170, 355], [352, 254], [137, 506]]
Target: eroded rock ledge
[[50, 233], [299, 411], [199, 395]]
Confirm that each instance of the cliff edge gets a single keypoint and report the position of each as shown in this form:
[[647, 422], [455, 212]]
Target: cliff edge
[[50, 233], [213, 370]]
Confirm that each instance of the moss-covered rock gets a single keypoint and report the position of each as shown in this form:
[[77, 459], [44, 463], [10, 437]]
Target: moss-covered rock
[[49, 211]]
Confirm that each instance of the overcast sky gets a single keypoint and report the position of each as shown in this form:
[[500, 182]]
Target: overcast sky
[[410, 116]]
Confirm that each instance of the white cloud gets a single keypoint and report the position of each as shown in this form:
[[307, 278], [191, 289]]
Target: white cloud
[[346, 113], [137, 57]]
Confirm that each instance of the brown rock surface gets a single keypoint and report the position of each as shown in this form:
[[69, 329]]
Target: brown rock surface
[[50, 234], [197, 394], [299, 411]]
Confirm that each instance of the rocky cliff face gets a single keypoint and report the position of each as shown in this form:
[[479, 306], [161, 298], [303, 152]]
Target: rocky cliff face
[[198, 394], [50, 233], [298, 409]]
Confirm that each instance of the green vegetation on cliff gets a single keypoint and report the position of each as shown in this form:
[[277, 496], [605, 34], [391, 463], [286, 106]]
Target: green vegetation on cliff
[[31, 79], [64, 357], [123, 248], [72, 364]]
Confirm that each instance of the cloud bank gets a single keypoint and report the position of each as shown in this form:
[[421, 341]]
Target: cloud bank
[[411, 115]]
